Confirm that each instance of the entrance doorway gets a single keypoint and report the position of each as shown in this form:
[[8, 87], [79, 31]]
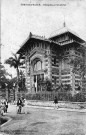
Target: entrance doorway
[[38, 81]]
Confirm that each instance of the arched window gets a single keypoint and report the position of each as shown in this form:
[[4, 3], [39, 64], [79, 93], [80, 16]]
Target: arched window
[[37, 66]]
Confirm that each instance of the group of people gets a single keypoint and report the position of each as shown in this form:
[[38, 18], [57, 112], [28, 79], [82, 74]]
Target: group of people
[[22, 105], [4, 106]]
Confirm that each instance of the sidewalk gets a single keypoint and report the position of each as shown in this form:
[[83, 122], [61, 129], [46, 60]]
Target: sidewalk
[[22, 123], [59, 109], [61, 106], [48, 105], [51, 105]]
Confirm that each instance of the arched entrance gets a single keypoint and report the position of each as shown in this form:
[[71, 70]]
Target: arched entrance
[[37, 74]]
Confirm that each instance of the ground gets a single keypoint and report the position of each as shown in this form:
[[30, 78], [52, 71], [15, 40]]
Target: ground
[[41, 121]]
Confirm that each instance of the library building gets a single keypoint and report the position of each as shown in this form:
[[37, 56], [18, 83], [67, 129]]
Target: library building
[[50, 58]]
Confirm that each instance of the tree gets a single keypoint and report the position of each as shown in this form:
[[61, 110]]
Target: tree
[[67, 87], [79, 97], [79, 67], [60, 88], [3, 77], [11, 85], [12, 82], [48, 84], [79, 88], [22, 81], [15, 61]]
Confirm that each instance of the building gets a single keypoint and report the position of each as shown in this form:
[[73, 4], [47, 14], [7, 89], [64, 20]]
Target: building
[[50, 58]]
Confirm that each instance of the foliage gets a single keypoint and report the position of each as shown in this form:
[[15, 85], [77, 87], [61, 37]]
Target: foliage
[[79, 88], [48, 85], [12, 83], [43, 95], [22, 81], [15, 62], [78, 66], [64, 95], [79, 97], [67, 87], [3, 77]]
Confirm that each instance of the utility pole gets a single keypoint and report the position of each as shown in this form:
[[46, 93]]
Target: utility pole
[[0, 51], [0, 31]]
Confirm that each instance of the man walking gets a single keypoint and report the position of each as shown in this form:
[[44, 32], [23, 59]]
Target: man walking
[[19, 104], [56, 102], [6, 105], [25, 106]]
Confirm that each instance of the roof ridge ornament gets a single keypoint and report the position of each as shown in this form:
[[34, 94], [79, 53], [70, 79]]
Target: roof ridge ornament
[[30, 35], [64, 24]]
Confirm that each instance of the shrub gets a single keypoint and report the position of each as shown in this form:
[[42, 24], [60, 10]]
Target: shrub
[[79, 97], [64, 96], [48, 85]]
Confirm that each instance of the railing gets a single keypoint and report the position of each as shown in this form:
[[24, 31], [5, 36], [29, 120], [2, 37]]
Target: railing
[[62, 96]]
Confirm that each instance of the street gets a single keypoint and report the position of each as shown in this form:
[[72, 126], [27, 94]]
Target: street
[[41, 121]]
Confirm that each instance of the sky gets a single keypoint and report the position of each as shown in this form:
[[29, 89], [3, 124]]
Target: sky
[[18, 20]]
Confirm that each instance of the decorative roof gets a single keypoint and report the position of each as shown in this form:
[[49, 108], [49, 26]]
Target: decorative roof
[[44, 39], [51, 39], [36, 37], [62, 31], [40, 37]]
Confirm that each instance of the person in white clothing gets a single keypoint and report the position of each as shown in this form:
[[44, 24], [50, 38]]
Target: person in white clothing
[[25, 106]]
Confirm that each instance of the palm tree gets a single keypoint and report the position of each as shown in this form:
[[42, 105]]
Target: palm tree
[[15, 62], [22, 81]]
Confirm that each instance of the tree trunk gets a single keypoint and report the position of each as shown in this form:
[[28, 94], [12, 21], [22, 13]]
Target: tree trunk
[[18, 82]]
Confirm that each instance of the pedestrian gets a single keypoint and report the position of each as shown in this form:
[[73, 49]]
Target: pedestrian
[[25, 106], [56, 102], [19, 104], [6, 105], [2, 108]]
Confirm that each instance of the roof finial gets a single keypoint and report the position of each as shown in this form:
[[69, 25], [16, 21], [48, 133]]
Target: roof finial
[[30, 35], [64, 24]]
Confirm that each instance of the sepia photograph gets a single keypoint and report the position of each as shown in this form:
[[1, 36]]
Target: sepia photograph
[[43, 67]]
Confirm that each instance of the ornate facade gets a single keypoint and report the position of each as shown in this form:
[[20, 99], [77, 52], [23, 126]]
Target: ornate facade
[[50, 58]]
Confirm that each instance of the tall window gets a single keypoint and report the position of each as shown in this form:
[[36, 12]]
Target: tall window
[[54, 60], [34, 78], [55, 80], [37, 66]]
